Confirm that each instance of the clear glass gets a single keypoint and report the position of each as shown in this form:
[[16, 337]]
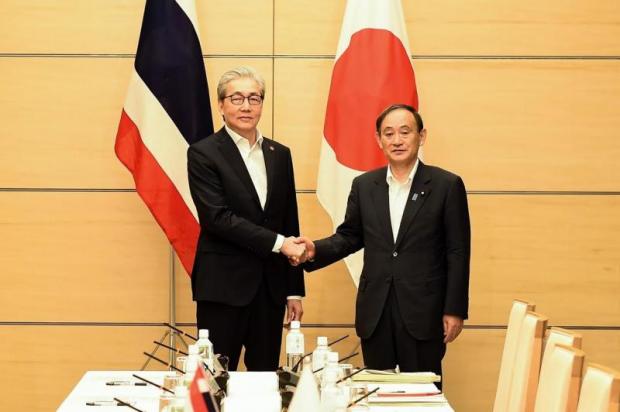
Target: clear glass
[[359, 390], [165, 397]]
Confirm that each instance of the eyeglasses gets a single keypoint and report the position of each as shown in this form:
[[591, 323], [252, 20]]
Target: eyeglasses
[[239, 99]]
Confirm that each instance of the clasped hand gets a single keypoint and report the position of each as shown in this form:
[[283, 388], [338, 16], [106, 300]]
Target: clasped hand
[[298, 249]]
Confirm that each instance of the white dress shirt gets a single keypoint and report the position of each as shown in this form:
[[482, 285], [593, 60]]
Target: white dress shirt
[[255, 163], [398, 195]]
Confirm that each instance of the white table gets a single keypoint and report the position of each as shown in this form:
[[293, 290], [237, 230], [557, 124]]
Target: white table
[[92, 388]]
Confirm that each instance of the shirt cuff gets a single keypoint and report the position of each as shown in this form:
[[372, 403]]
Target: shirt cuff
[[278, 245], [294, 297]]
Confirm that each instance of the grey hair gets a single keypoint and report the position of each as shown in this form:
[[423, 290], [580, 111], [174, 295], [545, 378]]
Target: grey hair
[[237, 73]]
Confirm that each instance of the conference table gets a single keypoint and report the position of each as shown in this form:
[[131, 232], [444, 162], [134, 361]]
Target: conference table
[[96, 390]]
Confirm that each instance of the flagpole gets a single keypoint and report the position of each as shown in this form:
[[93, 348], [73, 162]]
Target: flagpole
[[172, 318]]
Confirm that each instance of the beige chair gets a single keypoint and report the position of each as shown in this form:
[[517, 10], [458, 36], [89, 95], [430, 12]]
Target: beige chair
[[515, 320], [527, 363], [560, 376], [600, 390], [563, 336]]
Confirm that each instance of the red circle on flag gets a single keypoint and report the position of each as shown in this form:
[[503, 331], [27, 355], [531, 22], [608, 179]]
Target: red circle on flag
[[373, 73]]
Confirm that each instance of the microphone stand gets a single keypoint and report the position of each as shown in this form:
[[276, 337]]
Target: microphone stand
[[172, 333]]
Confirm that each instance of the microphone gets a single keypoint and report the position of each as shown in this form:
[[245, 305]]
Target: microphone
[[310, 353], [152, 383], [363, 397], [123, 403], [351, 374], [341, 360], [175, 350], [174, 328], [169, 365]]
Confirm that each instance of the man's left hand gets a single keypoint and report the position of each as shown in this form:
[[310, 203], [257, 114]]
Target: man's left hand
[[294, 310], [452, 327]]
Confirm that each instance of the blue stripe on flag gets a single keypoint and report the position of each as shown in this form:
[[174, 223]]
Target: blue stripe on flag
[[169, 60]]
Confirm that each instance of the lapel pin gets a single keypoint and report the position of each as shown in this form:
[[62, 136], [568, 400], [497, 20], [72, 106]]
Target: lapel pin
[[422, 194], [271, 148], [415, 197]]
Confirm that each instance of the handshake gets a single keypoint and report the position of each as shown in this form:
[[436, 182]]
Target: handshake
[[298, 249]]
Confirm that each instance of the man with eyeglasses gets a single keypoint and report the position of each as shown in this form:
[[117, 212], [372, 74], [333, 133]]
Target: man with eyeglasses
[[243, 187]]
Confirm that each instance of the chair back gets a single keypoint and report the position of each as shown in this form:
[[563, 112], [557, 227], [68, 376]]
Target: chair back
[[527, 363], [600, 390], [565, 337], [515, 320], [560, 376]]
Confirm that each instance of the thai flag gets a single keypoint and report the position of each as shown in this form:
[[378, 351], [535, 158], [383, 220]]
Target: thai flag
[[167, 109], [372, 71]]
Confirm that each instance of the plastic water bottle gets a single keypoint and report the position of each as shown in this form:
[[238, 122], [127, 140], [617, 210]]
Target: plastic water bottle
[[205, 348], [319, 356], [294, 345], [331, 371], [193, 362], [332, 397]]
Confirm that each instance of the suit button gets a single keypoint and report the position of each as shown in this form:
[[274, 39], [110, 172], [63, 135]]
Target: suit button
[[395, 254]]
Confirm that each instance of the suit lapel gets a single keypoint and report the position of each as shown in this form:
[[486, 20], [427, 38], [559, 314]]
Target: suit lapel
[[231, 154], [420, 190], [270, 159], [381, 200]]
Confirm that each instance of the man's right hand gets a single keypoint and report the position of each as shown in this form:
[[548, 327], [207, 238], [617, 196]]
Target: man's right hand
[[309, 248], [295, 251]]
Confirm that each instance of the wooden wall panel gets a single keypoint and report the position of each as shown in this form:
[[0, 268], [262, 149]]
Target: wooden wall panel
[[529, 126], [96, 26], [81, 257], [236, 28], [113, 26], [477, 27], [560, 252], [62, 116], [61, 122], [302, 87], [46, 362]]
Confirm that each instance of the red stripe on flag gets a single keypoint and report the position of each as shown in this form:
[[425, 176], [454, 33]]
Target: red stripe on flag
[[158, 192], [372, 73], [196, 392]]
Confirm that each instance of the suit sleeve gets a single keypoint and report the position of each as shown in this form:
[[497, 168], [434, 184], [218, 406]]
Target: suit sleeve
[[458, 248], [214, 214], [349, 236], [295, 280]]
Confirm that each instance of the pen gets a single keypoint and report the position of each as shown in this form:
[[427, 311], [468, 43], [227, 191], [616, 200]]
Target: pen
[[103, 403], [122, 383]]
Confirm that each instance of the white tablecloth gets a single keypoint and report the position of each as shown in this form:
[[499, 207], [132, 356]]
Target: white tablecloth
[[92, 388]]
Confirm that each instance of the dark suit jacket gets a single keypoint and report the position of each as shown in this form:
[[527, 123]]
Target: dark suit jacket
[[429, 262], [234, 254]]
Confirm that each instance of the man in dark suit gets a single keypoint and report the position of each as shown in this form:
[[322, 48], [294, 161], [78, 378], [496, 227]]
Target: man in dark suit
[[413, 222], [243, 187]]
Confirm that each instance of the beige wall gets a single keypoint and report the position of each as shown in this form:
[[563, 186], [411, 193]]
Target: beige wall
[[518, 99]]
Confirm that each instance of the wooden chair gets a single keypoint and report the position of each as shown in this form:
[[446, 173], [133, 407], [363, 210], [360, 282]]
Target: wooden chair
[[560, 376], [527, 363], [515, 320], [565, 337], [600, 390]]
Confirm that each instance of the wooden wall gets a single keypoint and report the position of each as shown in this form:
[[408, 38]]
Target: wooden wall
[[519, 97]]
